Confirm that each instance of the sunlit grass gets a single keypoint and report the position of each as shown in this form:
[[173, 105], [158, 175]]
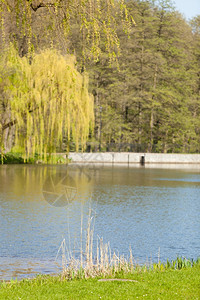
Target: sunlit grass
[[156, 283]]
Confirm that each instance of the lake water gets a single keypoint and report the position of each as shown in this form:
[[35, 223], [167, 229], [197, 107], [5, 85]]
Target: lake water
[[155, 210]]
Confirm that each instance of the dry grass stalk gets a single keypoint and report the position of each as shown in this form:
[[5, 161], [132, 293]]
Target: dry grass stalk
[[105, 264]]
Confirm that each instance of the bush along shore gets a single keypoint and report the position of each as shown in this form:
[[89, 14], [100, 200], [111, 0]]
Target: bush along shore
[[18, 158]]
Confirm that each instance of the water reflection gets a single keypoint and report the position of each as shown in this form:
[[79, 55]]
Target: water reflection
[[147, 208]]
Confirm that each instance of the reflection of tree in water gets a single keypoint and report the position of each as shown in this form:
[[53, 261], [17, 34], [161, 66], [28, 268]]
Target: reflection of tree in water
[[30, 181], [23, 179]]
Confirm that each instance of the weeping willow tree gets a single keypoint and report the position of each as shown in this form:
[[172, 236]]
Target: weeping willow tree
[[43, 97], [43, 101], [33, 23]]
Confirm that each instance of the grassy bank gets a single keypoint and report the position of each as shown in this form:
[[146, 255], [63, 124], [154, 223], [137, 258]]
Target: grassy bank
[[100, 274], [168, 283]]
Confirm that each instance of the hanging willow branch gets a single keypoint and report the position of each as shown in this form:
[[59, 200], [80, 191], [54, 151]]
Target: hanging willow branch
[[48, 99], [97, 21]]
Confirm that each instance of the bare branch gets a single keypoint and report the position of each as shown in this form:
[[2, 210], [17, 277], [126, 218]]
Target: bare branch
[[12, 123], [9, 124], [35, 5]]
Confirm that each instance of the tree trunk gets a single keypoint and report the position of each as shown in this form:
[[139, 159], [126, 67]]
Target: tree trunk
[[152, 109]]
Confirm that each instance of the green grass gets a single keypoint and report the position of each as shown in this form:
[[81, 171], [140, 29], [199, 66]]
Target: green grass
[[150, 284]]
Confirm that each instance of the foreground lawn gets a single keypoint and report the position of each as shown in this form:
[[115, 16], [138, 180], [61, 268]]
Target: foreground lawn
[[168, 284]]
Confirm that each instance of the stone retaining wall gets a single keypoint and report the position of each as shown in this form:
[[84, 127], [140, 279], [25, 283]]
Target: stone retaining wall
[[134, 158]]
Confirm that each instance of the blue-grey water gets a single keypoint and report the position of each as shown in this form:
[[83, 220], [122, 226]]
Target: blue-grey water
[[154, 210]]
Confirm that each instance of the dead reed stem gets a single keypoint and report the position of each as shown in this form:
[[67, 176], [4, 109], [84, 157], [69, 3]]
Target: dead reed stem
[[106, 263]]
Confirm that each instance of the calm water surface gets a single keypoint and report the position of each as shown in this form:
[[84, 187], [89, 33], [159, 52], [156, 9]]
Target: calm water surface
[[152, 210]]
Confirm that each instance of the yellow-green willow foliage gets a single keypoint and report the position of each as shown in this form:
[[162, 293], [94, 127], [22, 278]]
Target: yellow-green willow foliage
[[97, 21], [48, 100]]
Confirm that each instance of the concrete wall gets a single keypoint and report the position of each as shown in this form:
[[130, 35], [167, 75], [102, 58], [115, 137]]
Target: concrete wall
[[131, 158]]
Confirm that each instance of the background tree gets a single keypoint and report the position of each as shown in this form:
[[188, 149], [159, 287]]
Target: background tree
[[195, 96], [150, 94]]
